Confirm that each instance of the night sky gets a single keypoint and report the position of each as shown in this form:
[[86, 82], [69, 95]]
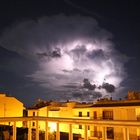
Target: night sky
[[69, 50]]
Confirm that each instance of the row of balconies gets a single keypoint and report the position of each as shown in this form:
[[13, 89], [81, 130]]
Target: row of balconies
[[96, 118], [106, 115]]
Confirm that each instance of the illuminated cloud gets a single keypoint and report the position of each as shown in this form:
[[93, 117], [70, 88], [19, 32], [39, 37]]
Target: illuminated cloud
[[68, 49]]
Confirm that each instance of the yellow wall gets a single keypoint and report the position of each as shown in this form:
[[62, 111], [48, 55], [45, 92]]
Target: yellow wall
[[66, 112], [11, 107], [83, 110], [30, 112], [43, 112]]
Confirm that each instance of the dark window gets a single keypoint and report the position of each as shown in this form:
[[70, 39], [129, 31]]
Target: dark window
[[25, 113], [88, 127], [33, 113], [33, 124], [80, 126], [110, 133], [95, 115], [108, 115], [87, 114], [80, 114]]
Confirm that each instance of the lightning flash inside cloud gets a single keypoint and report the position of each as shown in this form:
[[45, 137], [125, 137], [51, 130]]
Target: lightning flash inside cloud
[[76, 56]]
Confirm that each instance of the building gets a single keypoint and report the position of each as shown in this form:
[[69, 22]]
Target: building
[[103, 111], [10, 107], [106, 119]]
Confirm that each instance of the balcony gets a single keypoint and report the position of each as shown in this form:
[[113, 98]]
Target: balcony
[[97, 134], [107, 115], [102, 118], [107, 118]]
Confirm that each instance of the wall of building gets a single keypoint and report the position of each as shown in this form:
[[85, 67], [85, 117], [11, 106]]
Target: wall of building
[[43, 111], [70, 110], [10, 107]]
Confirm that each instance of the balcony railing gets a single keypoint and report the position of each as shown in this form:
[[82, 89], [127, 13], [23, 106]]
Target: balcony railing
[[96, 134], [102, 118], [107, 118], [84, 116]]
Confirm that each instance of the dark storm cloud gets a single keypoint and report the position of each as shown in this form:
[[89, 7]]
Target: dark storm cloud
[[87, 95], [97, 95], [56, 53], [108, 87], [42, 55], [76, 95], [88, 85], [53, 54]]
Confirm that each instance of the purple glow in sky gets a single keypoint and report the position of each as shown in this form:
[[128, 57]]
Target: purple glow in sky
[[69, 51]]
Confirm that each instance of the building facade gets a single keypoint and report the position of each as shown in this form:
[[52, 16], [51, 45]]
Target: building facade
[[10, 107], [104, 111], [106, 119]]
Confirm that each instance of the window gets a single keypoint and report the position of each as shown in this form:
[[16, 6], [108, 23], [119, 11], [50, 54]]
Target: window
[[33, 113], [80, 114], [88, 127], [33, 124], [87, 114], [110, 133], [25, 113], [95, 114], [80, 126], [108, 114]]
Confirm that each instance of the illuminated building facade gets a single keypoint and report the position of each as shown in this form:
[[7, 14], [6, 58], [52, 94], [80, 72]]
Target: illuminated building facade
[[106, 119], [10, 107], [104, 111]]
